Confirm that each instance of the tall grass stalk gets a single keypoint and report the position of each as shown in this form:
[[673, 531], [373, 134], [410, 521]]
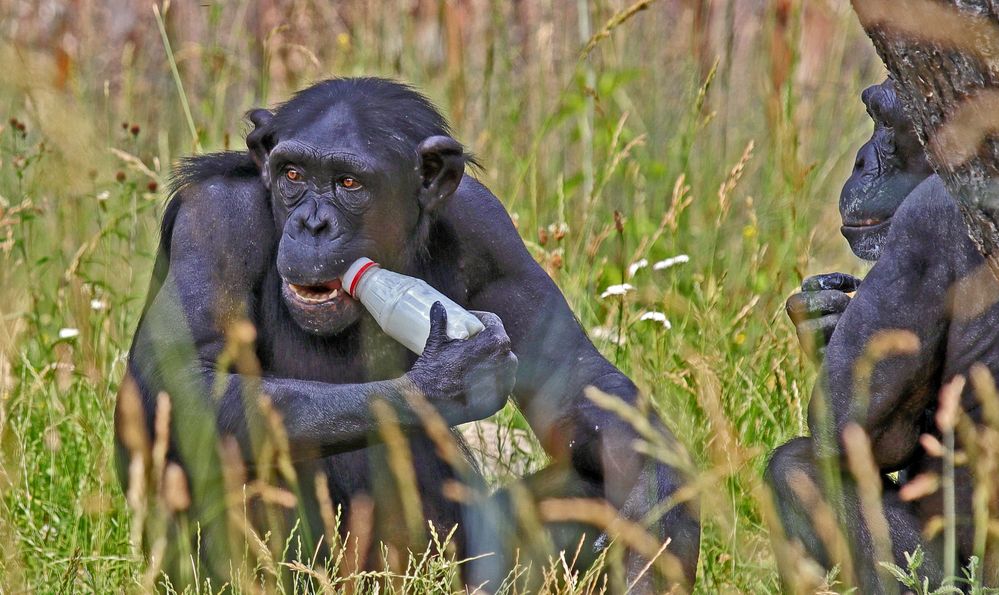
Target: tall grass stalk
[[195, 139]]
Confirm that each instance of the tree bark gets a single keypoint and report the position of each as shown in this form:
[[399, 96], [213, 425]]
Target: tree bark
[[944, 57]]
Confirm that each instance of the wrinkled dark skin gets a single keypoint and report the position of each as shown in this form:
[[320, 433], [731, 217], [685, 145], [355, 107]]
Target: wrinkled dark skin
[[931, 281], [887, 168], [376, 174]]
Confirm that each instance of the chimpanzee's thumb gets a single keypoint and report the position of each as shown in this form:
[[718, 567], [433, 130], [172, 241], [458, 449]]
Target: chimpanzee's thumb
[[438, 326]]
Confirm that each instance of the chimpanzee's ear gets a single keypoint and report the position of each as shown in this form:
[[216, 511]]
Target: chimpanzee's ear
[[442, 165], [261, 140]]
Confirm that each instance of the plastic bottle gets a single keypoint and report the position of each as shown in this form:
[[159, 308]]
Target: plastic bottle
[[401, 304]]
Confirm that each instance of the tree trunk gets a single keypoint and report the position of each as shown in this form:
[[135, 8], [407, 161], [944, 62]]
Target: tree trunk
[[944, 55]]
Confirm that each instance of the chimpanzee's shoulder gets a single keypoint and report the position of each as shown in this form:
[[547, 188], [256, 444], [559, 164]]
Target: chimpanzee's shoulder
[[219, 184], [929, 223], [929, 203], [929, 212], [484, 228], [474, 211], [219, 212], [234, 166], [473, 195]]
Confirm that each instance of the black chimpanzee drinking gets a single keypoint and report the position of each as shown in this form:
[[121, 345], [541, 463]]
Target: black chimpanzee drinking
[[929, 280], [367, 167]]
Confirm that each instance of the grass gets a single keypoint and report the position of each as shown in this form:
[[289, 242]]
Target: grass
[[610, 150]]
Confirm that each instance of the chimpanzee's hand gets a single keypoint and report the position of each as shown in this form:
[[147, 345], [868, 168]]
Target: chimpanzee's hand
[[466, 379], [816, 310]]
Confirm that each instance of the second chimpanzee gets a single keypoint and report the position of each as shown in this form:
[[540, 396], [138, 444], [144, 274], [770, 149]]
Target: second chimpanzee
[[367, 167], [929, 280]]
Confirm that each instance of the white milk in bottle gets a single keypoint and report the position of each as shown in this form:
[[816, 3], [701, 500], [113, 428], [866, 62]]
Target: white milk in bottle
[[401, 304]]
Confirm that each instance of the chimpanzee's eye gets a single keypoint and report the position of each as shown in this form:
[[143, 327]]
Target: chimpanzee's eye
[[349, 183], [291, 184]]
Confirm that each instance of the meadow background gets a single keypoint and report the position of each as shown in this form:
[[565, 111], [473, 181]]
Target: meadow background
[[717, 130]]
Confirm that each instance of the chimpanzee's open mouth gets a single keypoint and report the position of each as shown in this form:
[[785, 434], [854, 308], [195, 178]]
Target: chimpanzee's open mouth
[[317, 294], [323, 308]]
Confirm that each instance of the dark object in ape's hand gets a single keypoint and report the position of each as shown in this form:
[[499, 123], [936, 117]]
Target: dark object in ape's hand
[[367, 167]]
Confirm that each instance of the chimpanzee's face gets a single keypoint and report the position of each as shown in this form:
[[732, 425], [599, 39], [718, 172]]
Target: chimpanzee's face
[[337, 196], [888, 167], [350, 176]]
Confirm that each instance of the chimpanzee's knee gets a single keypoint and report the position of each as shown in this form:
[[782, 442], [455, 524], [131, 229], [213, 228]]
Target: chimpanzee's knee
[[791, 466], [792, 456]]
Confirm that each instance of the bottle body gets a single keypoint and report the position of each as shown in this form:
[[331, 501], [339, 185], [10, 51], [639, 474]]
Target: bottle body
[[401, 305]]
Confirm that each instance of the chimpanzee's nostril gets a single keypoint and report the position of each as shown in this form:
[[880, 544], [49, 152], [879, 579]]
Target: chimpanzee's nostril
[[315, 225], [860, 163]]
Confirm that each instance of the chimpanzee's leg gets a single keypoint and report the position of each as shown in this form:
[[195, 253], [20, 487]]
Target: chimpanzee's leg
[[796, 478], [366, 476]]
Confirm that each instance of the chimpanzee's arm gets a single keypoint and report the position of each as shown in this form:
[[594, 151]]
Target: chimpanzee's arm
[[557, 363], [221, 245], [906, 290]]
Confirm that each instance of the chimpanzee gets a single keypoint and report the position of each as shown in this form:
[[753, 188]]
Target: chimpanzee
[[355, 167], [930, 280]]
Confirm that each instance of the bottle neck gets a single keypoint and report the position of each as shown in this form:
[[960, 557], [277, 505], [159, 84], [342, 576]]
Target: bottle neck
[[356, 281]]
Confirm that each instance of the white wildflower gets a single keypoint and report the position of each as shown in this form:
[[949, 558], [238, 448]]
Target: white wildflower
[[98, 305], [68, 333], [637, 266], [617, 290], [603, 333], [657, 317], [665, 264], [104, 196]]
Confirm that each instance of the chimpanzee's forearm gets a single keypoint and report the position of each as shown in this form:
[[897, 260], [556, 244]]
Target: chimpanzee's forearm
[[319, 418], [604, 455]]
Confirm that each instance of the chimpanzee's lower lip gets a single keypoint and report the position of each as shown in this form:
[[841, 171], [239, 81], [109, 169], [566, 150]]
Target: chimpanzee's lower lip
[[865, 238], [866, 224]]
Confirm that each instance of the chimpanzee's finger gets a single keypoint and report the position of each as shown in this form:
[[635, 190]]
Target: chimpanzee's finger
[[438, 325], [495, 329], [820, 328], [814, 335], [813, 304], [488, 319], [838, 281]]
